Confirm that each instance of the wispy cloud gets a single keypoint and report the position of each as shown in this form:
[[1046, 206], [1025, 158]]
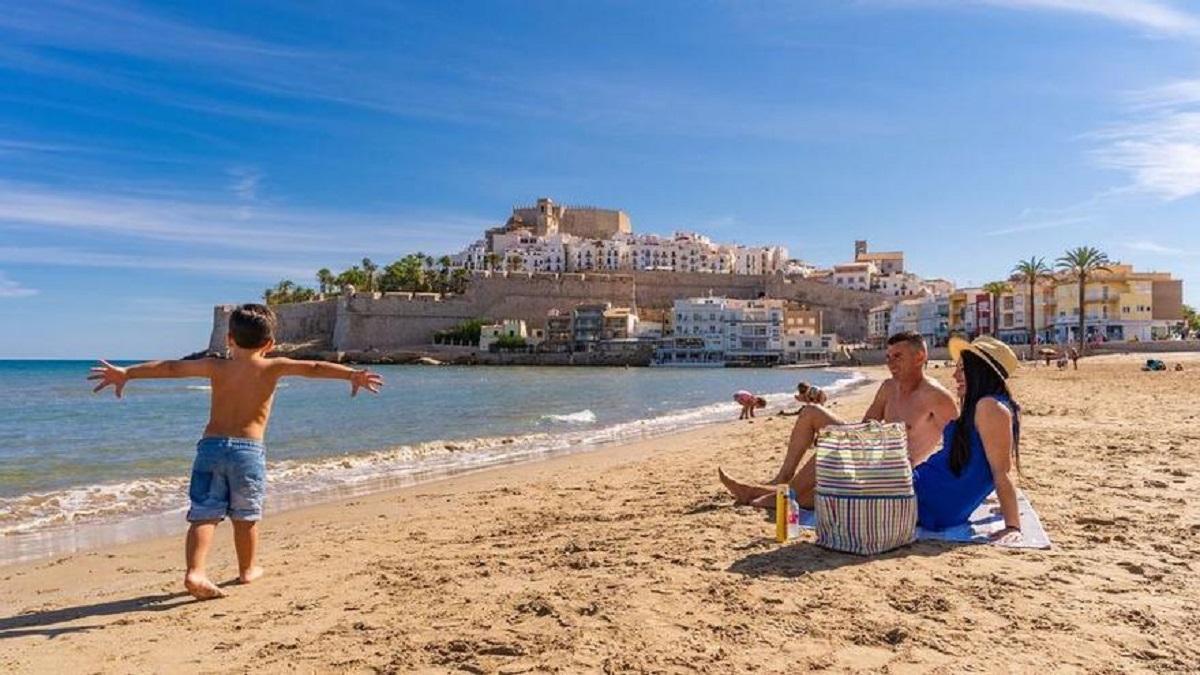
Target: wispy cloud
[[1159, 146], [217, 267], [40, 39], [1148, 246], [265, 229], [12, 289], [245, 183], [1153, 15], [1038, 225]]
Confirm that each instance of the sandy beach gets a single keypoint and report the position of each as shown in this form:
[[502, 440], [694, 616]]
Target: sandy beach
[[633, 559]]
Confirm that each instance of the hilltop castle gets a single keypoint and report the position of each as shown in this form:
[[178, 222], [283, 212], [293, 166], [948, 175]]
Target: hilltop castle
[[549, 237]]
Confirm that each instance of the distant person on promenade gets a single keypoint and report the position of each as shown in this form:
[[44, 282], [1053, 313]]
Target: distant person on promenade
[[229, 471], [749, 403], [923, 405]]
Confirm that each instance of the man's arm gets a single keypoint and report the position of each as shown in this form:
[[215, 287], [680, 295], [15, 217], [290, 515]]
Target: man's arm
[[284, 367], [879, 404], [118, 377]]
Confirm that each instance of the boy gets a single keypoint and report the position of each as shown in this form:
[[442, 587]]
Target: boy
[[229, 472]]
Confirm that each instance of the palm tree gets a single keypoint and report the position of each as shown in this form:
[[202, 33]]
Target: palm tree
[[491, 260], [995, 289], [325, 280], [1081, 263], [369, 268], [444, 274], [1032, 272]]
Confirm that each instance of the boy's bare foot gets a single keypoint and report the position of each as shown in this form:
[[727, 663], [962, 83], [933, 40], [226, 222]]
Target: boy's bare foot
[[201, 588], [250, 575]]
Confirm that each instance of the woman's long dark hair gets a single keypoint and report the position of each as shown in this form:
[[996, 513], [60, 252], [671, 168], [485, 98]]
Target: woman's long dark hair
[[982, 381]]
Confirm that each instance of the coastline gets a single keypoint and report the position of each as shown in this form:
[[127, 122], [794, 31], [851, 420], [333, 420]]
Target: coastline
[[632, 559], [147, 507]]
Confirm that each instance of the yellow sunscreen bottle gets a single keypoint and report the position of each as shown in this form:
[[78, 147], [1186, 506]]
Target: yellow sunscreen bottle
[[781, 513]]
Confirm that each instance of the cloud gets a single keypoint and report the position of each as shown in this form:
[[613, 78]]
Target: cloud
[[1147, 246], [12, 289], [1038, 225], [1159, 146], [1160, 17], [219, 267], [207, 70], [245, 183], [265, 229]]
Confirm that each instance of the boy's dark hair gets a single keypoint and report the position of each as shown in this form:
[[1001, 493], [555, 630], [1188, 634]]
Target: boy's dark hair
[[914, 340], [252, 325]]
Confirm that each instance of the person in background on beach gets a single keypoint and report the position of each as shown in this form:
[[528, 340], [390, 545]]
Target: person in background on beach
[[748, 402], [807, 393], [229, 471], [909, 396], [1074, 355]]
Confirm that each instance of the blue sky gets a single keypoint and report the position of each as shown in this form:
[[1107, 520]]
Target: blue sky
[[157, 159]]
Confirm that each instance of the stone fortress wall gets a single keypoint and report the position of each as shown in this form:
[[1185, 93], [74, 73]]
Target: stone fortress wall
[[393, 321]]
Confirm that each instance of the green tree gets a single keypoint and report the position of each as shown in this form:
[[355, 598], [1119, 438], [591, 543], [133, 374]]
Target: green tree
[[402, 275], [369, 268], [510, 342], [325, 280], [995, 289], [354, 277], [444, 263], [1191, 320], [1031, 272], [1080, 264], [459, 278], [491, 260], [287, 291], [466, 332]]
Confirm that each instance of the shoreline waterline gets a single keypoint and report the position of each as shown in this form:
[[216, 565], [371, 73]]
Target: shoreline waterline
[[302, 483]]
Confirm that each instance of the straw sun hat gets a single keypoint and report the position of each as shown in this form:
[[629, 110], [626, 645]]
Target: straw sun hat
[[995, 353]]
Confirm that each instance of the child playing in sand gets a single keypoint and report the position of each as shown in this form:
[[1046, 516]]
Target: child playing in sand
[[229, 472], [748, 402], [807, 393]]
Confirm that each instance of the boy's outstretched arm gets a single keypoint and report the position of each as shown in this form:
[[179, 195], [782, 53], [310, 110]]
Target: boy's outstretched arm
[[118, 377], [365, 379]]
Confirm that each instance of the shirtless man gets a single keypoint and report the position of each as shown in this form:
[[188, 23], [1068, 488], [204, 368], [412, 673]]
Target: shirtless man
[[923, 405]]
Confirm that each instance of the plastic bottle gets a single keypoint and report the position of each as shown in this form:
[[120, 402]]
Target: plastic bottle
[[793, 515], [781, 513]]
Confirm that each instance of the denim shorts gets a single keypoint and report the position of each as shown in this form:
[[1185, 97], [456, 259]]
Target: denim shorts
[[229, 478]]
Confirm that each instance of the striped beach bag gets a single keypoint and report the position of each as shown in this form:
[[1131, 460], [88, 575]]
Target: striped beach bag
[[864, 498]]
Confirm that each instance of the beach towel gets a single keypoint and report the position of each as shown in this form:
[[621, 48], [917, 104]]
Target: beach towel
[[984, 521], [864, 496]]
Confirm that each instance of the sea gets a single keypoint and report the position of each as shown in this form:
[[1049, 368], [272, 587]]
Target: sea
[[80, 470]]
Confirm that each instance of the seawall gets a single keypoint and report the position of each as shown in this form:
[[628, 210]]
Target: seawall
[[389, 321]]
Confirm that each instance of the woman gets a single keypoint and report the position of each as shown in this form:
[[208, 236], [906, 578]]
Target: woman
[[980, 449]]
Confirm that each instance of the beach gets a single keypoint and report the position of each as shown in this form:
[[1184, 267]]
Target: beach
[[632, 558]]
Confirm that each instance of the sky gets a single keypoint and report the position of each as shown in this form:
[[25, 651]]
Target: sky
[[157, 159]]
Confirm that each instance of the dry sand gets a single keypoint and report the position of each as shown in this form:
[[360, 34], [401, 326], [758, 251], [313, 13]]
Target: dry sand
[[632, 559]]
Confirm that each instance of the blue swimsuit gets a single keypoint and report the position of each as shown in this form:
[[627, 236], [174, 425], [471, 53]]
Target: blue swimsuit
[[943, 499]]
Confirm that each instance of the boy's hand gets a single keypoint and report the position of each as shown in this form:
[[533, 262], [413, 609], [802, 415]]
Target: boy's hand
[[109, 374], [365, 379]]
